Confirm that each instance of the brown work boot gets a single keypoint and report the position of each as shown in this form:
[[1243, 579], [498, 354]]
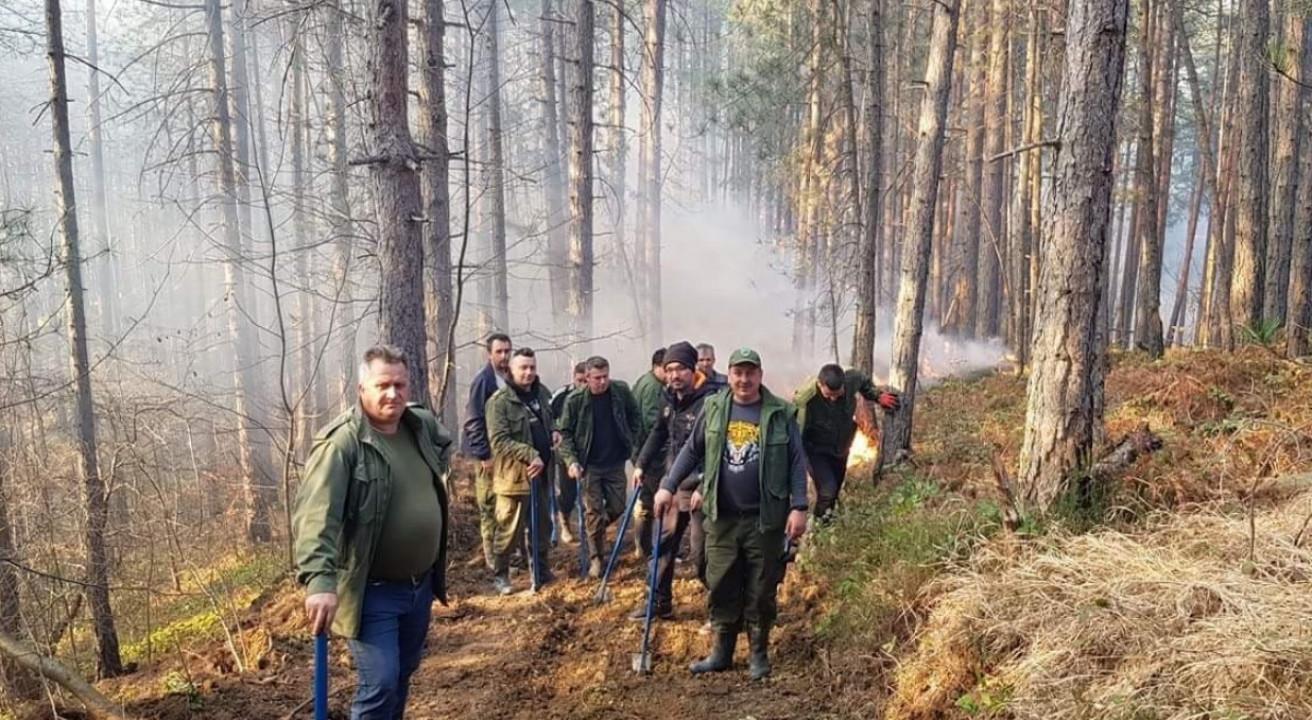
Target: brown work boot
[[566, 536]]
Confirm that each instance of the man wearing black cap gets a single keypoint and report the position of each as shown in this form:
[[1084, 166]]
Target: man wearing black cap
[[753, 493], [681, 404]]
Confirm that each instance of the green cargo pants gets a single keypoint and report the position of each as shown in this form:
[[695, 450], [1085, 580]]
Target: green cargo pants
[[743, 569], [487, 504]]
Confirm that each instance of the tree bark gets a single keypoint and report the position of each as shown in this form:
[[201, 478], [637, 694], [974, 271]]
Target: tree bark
[[1028, 176], [653, 79], [96, 704], [1064, 391], [1148, 316], [1299, 313], [1289, 129], [617, 133], [340, 215], [304, 356], [553, 183], [439, 305], [863, 338], [1251, 216], [101, 236], [992, 233], [395, 170], [108, 661], [909, 322], [492, 204], [580, 172], [1143, 215], [965, 296], [1175, 328], [15, 681]]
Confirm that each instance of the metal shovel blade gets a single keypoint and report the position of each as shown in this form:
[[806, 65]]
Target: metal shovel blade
[[604, 595], [642, 663]]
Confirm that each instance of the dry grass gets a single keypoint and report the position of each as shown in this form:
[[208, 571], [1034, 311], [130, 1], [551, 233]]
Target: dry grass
[[1173, 623]]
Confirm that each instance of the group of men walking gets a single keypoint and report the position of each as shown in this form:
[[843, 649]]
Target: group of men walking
[[715, 457]]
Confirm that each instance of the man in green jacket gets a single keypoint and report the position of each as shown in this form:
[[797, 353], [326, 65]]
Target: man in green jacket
[[648, 391], [370, 528], [826, 413], [753, 494], [519, 428], [597, 430]]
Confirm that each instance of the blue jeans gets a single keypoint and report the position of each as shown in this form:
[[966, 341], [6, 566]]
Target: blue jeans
[[393, 627]]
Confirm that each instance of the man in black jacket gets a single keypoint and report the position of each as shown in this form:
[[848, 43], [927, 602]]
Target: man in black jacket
[[567, 488], [475, 443], [681, 403]]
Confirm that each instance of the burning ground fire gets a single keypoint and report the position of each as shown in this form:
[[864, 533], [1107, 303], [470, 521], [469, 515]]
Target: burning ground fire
[[864, 450]]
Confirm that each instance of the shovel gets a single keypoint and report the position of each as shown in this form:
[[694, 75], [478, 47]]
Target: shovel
[[551, 508], [534, 539], [603, 593], [583, 532], [642, 661], [321, 676]]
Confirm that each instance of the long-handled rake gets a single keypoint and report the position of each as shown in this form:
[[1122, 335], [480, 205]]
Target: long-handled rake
[[603, 593], [321, 676], [642, 661]]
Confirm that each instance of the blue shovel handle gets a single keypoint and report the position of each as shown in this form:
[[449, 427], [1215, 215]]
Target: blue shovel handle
[[321, 676]]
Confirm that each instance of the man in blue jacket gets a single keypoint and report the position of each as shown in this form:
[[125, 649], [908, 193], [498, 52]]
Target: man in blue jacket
[[475, 443]]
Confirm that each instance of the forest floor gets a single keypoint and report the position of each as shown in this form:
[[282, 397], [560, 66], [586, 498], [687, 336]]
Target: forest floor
[[914, 603]]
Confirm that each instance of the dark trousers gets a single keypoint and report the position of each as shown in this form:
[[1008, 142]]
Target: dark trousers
[[697, 543], [743, 568], [671, 538], [567, 491], [651, 481], [827, 473], [394, 620], [604, 492]]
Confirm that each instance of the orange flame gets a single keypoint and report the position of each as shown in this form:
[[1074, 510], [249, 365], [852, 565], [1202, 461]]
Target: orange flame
[[865, 450]]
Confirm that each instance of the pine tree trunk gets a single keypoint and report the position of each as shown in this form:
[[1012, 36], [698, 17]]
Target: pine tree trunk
[[966, 258], [493, 202], [101, 236], [1175, 328], [553, 183], [1251, 216], [394, 167], [653, 78], [1148, 317], [108, 661], [1029, 167], [617, 132], [580, 171], [1062, 415], [1143, 215], [1289, 130], [340, 217], [909, 321], [992, 185], [1299, 312], [258, 490], [863, 339], [439, 303], [304, 355]]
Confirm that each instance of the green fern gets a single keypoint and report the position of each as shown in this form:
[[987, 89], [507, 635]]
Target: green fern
[[1264, 332]]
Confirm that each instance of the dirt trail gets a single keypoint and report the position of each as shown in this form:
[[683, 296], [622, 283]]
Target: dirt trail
[[553, 654]]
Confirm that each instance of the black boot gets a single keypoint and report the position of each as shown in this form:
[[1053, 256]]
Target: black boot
[[759, 661], [501, 574], [721, 657]]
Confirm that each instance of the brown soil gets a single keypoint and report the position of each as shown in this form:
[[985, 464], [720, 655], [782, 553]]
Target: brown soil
[[554, 654]]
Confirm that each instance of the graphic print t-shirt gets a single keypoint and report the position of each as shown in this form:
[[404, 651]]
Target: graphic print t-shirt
[[740, 468]]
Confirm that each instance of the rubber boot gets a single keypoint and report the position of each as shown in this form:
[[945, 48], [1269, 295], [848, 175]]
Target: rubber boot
[[759, 661], [501, 575], [721, 657]]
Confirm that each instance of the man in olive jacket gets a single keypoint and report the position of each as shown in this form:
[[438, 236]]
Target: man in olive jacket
[[753, 494], [370, 529], [648, 391], [826, 414], [519, 428], [598, 428]]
